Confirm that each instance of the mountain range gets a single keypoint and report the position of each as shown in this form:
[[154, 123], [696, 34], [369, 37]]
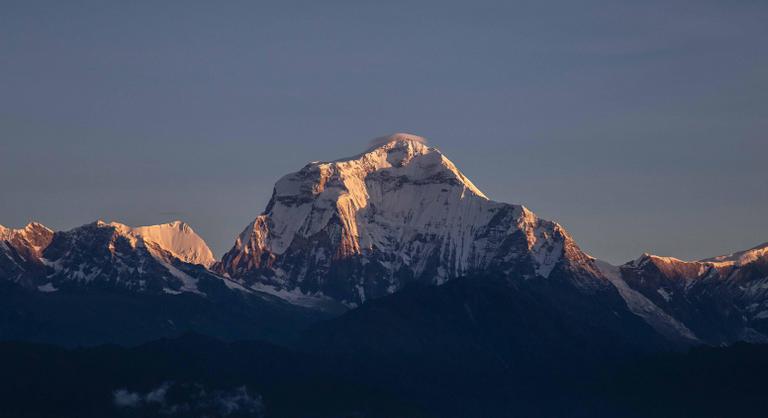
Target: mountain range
[[337, 235]]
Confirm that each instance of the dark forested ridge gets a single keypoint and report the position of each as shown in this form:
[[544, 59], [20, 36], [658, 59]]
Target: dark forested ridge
[[196, 375]]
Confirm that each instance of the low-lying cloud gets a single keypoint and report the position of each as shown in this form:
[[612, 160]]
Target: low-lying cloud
[[183, 400], [123, 398]]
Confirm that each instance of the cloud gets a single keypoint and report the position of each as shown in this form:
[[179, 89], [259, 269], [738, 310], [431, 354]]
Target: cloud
[[184, 400], [123, 398], [237, 400], [158, 395], [384, 140]]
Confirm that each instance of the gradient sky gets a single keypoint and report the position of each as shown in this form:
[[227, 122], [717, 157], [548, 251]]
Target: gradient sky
[[639, 126]]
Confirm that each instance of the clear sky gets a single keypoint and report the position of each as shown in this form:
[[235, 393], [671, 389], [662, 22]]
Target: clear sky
[[638, 125]]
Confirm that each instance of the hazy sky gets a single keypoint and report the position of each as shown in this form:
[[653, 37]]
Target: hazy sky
[[639, 126]]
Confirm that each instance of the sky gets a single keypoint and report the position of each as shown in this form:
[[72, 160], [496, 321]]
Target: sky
[[639, 126]]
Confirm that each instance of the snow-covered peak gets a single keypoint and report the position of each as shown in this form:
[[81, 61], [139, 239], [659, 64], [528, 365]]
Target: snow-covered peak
[[403, 155], [364, 226], [401, 150], [671, 267], [398, 140], [176, 237], [34, 236], [400, 173], [6, 233], [36, 226], [28, 230]]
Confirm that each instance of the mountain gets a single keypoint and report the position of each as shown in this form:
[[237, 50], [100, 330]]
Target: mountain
[[165, 257], [363, 227], [178, 238], [434, 269], [108, 282], [21, 251], [401, 214], [720, 299]]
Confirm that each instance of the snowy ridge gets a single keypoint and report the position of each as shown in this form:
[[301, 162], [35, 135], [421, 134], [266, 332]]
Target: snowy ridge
[[737, 259], [740, 258], [305, 201]]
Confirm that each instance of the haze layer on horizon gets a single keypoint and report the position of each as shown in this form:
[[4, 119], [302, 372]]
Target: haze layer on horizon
[[641, 127]]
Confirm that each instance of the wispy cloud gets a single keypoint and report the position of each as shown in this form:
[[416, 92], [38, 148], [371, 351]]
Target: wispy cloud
[[384, 140]]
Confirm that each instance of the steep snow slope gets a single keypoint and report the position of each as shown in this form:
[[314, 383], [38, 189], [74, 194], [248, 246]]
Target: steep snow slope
[[365, 226], [180, 240]]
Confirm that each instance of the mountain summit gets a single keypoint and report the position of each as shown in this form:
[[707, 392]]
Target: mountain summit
[[401, 212], [178, 238]]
